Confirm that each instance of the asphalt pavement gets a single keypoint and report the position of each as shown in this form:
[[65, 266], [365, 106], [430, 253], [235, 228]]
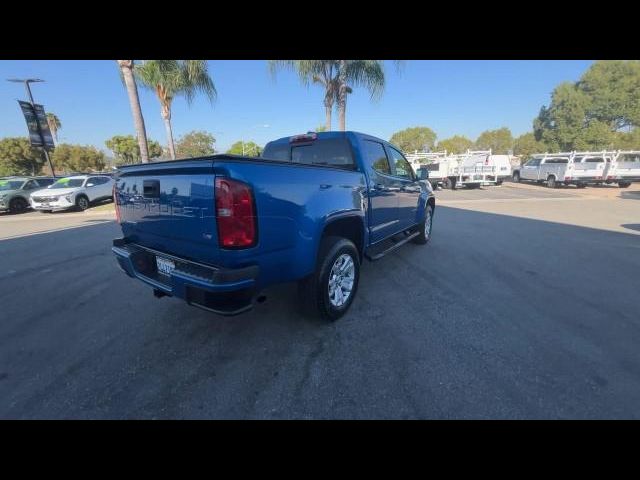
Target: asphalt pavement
[[515, 309]]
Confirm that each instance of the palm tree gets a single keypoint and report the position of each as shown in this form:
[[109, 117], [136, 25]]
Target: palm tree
[[170, 78], [126, 70], [359, 73], [335, 76], [54, 126], [322, 72]]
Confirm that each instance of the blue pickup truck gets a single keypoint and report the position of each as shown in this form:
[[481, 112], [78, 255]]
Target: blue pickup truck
[[215, 231]]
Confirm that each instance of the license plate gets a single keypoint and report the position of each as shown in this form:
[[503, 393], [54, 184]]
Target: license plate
[[165, 266]]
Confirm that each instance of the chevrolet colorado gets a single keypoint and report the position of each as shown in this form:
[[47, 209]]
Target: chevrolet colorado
[[215, 231]]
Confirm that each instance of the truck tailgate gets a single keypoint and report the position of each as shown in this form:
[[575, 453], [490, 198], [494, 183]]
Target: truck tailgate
[[170, 207]]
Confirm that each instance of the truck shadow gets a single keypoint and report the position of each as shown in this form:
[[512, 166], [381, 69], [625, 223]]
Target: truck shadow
[[497, 317]]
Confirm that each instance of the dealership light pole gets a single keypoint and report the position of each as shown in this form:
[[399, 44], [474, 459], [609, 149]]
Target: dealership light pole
[[26, 82]]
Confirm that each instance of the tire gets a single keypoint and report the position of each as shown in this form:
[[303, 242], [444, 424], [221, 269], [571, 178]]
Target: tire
[[551, 182], [425, 228], [581, 185], [516, 177], [18, 205], [44, 211], [82, 203], [499, 182], [314, 291], [624, 184], [446, 183]]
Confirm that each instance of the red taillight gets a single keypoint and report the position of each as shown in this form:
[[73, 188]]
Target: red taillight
[[115, 203], [235, 214]]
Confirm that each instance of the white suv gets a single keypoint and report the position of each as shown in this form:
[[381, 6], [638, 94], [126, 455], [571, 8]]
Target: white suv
[[78, 191]]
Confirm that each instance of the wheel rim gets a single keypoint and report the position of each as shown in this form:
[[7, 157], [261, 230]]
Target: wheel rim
[[341, 280], [427, 224], [19, 205], [83, 203]]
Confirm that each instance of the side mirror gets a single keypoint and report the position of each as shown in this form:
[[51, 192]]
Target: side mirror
[[423, 173]]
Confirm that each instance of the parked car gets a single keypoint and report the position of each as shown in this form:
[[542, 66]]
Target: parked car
[[15, 191], [73, 192], [215, 231]]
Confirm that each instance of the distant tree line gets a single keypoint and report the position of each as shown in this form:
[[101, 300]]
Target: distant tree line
[[600, 111]]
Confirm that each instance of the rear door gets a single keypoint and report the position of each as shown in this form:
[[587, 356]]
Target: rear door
[[589, 167], [384, 190], [627, 165], [410, 190]]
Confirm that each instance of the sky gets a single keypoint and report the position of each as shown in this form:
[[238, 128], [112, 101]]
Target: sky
[[450, 97]]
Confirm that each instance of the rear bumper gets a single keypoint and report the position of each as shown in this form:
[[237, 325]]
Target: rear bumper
[[219, 290], [590, 179]]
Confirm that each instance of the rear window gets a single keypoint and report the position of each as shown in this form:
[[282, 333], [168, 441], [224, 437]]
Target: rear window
[[68, 183], [277, 151], [334, 152], [629, 157]]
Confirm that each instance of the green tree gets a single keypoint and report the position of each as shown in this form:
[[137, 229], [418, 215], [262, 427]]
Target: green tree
[[414, 138], [126, 149], [500, 141], [628, 140], [54, 125], [172, 78], [368, 74], [526, 145], [337, 77], [245, 148], [321, 128], [195, 144], [18, 157], [595, 112], [455, 144], [126, 72], [613, 88], [320, 72], [78, 158]]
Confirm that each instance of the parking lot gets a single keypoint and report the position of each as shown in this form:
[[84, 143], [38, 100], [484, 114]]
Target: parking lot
[[524, 305]]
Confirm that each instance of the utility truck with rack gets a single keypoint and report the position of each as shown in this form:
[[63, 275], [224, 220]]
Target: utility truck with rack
[[566, 168]]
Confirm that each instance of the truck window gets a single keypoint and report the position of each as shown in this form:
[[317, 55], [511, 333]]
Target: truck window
[[334, 152], [533, 163], [400, 166], [594, 160], [374, 156], [277, 151]]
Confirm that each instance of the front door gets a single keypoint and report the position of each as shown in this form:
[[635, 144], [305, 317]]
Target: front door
[[409, 195]]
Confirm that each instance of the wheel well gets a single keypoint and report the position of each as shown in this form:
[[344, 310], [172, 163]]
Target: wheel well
[[81, 195], [551, 175], [351, 228], [516, 171]]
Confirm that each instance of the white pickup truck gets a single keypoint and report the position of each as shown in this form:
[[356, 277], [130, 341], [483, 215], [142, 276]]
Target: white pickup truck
[[568, 168], [624, 168]]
